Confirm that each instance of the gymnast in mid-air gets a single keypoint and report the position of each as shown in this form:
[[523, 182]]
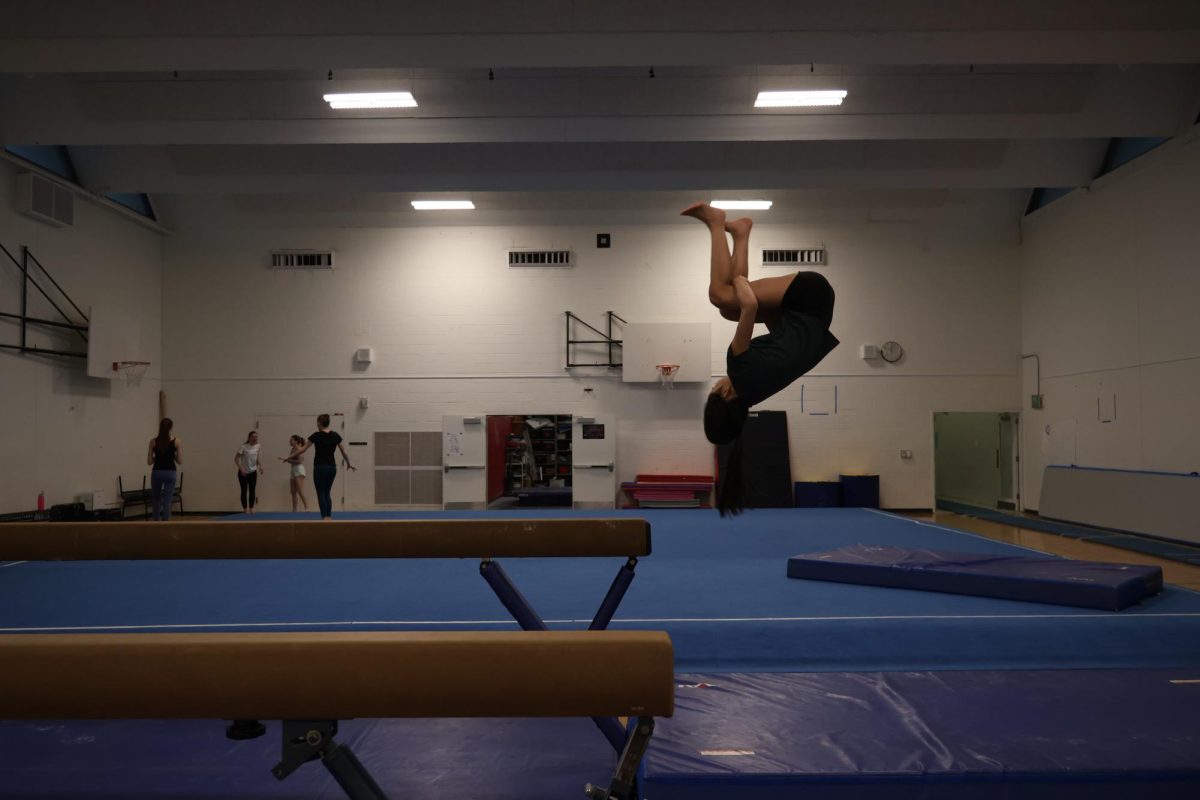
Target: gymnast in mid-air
[[797, 310]]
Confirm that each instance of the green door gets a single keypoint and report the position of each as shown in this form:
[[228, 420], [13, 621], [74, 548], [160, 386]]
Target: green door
[[967, 458]]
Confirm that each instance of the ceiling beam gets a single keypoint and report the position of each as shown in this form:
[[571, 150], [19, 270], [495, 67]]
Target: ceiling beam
[[591, 166], [557, 50]]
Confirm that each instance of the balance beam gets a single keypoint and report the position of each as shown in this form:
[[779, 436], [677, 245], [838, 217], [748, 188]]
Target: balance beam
[[336, 675], [449, 538], [312, 680]]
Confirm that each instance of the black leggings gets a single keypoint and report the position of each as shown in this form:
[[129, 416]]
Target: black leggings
[[323, 477], [248, 482]]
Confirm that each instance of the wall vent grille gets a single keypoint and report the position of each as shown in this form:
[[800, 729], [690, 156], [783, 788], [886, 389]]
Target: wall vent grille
[[302, 259], [541, 258], [45, 200], [811, 256]]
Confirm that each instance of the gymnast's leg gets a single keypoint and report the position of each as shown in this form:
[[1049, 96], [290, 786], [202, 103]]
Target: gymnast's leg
[[724, 266], [721, 267]]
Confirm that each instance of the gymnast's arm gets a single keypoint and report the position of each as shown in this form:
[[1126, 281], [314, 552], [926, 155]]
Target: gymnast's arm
[[346, 458], [745, 326]]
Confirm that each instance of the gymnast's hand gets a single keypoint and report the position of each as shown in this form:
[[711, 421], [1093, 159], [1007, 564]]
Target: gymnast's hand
[[745, 295]]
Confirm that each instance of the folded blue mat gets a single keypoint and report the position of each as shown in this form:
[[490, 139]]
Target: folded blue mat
[[1036, 579]]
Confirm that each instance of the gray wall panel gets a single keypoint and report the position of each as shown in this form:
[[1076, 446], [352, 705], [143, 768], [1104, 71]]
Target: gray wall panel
[[1158, 504]]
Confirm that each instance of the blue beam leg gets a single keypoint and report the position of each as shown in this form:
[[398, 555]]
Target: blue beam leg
[[616, 593], [511, 596], [529, 620]]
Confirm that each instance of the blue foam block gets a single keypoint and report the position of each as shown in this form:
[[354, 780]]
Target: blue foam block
[[817, 494], [1036, 579], [958, 735], [860, 491]]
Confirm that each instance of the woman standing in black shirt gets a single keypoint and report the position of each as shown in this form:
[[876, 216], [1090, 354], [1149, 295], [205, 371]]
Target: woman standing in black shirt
[[162, 455], [797, 310], [325, 442]]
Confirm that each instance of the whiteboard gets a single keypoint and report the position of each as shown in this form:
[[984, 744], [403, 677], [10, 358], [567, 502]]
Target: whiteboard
[[646, 344]]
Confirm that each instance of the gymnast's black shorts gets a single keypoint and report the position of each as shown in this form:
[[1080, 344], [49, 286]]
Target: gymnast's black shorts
[[809, 293]]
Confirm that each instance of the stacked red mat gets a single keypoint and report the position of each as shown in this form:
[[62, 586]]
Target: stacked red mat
[[669, 491]]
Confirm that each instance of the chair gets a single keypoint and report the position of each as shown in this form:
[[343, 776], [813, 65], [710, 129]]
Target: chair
[[177, 495], [134, 497]]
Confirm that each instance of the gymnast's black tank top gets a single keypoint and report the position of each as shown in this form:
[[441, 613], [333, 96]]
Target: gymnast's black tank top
[[164, 455]]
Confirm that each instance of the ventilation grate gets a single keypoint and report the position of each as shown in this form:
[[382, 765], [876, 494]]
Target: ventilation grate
[[541, 258], [812, 256], [45, 200], [302, 259]]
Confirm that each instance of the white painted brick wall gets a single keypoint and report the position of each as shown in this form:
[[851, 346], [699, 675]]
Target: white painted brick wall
[[1110, 289], [67, 433], [456, 331]]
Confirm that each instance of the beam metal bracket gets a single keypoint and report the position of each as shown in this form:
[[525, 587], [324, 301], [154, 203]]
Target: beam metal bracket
[[309, 740]]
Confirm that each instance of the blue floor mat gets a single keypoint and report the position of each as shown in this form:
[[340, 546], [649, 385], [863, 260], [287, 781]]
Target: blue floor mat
[[1051, 735], [498, 759], [719, 588]]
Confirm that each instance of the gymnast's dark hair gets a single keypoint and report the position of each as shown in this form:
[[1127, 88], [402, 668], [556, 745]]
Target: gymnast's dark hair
[[723, 422], [323, 421], [164, 431]]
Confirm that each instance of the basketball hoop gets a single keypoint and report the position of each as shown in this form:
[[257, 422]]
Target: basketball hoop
[[134, 371], [666, 375]]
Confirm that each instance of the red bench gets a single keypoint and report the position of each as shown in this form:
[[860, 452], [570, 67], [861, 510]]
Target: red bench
[[669, 491]]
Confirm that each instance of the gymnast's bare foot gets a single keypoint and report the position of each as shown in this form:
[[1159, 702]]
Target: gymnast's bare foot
[[705, 213], [739, 227]]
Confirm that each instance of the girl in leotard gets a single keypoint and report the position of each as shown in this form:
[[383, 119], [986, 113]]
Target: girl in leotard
[[298, 473]]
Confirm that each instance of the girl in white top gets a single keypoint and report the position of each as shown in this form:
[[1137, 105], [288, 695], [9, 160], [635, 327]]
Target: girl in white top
[[296, 459], [248, 470]]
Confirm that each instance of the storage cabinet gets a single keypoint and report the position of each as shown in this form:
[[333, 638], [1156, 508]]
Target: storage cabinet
[[550, 446]]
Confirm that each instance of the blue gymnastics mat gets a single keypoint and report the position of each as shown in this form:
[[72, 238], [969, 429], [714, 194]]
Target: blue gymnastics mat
[[985, 735], [415, 759], [1033, 578], [1043, 735], [719, 588]]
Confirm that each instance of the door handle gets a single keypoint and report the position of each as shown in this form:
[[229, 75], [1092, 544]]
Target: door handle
[[608, 466], [449, 467]]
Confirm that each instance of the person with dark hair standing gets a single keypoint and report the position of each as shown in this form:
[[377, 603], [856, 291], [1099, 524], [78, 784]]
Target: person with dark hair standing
[[296, 481], [249, 469], [797, 310], [324, 466], [162, 455]]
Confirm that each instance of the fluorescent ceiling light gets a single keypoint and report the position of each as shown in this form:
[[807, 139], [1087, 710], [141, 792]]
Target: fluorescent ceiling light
[[372, 100], [823, 97], [443, 205], [742, 205]]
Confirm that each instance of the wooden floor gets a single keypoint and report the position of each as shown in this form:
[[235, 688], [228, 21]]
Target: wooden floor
[[1174, 572]]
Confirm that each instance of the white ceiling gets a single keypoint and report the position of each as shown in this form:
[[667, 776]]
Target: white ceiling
[[592, 105]]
